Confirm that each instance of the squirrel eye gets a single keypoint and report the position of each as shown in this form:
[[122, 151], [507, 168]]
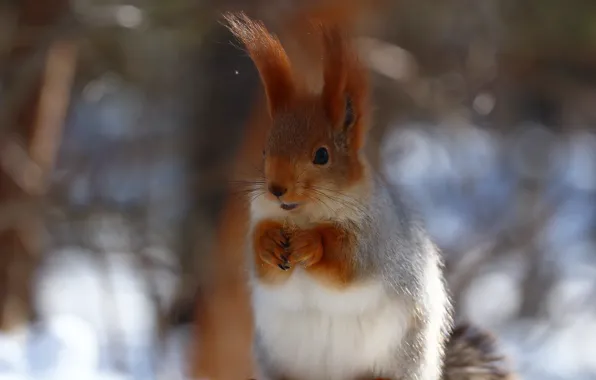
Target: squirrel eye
[[321, 157]]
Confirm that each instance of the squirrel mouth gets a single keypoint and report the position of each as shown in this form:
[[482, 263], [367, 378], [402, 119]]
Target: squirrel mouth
[[289, 206]]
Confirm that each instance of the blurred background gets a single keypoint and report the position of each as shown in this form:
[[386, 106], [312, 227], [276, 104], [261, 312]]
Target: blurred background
[[120, 119]]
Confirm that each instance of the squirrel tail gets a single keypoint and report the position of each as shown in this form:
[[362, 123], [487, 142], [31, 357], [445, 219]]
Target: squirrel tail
[[472, 354]]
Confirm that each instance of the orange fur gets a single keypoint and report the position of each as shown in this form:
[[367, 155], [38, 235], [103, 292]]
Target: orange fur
[[269, 57], [323, 251], [335, 267], [305, 247]]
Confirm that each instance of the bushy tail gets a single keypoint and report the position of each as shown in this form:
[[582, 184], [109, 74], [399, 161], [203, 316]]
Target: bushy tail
[[472, 354]]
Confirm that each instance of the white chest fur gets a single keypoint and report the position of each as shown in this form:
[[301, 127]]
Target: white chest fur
[[312, 332]]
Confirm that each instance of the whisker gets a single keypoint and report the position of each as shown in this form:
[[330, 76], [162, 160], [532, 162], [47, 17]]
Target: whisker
[[244, 189], [252, 180], [333, 199], [257, 195], [253, 183], [345, 200], [342, 194], [249, 189], [320, 201]]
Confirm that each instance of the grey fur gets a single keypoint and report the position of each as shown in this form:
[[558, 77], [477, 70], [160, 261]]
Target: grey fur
[[393, 244]]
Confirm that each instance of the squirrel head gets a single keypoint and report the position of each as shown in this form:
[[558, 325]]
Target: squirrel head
[[313, 153]]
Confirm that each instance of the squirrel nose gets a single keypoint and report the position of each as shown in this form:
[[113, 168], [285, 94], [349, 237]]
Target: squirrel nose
[[277, 190]]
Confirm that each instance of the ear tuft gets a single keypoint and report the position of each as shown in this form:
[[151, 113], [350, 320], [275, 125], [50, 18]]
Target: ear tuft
[[269, 57], [345, 89]]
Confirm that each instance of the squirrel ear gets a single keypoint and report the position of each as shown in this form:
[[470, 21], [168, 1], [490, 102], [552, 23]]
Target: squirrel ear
[[334, 74], [269, 57], [345, 89]]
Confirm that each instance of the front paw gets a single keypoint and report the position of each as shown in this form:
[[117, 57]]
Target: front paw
[[271, 244], [305, 247]]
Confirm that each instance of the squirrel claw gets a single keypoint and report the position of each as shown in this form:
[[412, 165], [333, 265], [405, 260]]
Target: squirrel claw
[[284, 266]]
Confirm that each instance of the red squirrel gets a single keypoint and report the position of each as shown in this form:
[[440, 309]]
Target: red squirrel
[[300, 264], [345, 283]]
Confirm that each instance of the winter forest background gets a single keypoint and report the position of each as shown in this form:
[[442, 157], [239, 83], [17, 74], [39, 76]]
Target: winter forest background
[[118, 119]]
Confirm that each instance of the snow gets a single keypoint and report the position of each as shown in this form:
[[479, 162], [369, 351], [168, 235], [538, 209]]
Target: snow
[[88, 331]]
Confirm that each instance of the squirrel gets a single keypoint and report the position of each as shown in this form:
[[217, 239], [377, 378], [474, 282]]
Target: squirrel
[[224, 317], [345, 282]]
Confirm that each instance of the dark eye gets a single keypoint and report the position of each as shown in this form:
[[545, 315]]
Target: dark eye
[[321, 157]]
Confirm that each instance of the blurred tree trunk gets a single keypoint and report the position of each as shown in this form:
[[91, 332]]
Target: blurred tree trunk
[[20, 240], [227, 81]]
